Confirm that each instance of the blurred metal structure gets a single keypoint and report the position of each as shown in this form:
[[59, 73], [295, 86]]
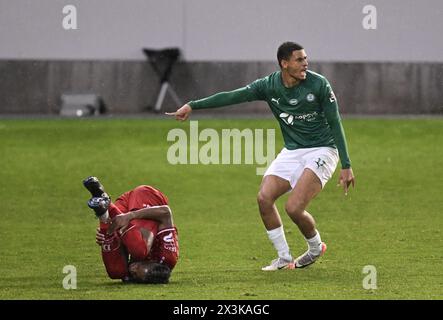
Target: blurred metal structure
[[162, 61]]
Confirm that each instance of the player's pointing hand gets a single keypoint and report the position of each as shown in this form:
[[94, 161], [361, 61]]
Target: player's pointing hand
[[181, 114]]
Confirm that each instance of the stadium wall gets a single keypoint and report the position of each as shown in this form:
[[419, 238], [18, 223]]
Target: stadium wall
[[392, 65], [128, 87], [228, 30]]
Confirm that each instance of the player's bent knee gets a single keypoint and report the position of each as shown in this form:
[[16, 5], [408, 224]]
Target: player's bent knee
[[264, 200], [294, 209]]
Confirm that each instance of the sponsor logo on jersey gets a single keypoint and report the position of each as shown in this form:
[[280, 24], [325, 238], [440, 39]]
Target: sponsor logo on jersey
[[310, 97], [170, 247], [293, 102], [289, 119], [332, 97], [168, 237], [169, 242]]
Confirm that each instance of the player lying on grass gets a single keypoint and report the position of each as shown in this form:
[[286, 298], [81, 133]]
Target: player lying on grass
[[137, 235], [306, 109]]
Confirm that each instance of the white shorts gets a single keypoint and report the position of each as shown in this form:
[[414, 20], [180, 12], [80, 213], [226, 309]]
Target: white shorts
[[289, 164]]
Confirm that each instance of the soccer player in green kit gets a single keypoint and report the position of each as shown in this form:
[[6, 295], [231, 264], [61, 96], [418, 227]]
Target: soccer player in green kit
[[306, 108]]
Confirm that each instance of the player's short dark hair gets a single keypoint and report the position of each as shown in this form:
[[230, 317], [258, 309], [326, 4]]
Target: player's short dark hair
[[158, 273], [285, 50]]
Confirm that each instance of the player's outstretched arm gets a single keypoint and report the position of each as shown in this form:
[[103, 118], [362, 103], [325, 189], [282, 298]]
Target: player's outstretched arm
[[161, 214], [217, 100]]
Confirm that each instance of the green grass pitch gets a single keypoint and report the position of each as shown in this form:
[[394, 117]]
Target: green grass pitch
[[391, 220]]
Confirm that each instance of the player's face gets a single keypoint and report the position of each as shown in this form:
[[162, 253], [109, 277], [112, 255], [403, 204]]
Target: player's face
[[138, 270], [149, 272], [297, 65]]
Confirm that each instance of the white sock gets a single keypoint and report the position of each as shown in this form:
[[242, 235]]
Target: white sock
[[314, 244], [278, 239], [104, 217]]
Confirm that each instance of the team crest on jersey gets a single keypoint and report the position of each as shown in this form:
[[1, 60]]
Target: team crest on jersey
[[293, 102], [310, 97]]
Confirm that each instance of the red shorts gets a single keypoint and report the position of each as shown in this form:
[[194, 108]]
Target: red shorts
[[165, 249], [139, 198]]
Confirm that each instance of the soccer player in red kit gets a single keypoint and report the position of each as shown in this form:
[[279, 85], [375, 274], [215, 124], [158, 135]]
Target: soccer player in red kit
[[137, 235]]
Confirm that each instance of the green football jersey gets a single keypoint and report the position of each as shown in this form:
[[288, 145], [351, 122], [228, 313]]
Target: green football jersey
[[307, 113]]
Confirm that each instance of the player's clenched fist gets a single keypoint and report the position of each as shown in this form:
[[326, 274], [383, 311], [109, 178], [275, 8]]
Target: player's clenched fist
[[181, 114]]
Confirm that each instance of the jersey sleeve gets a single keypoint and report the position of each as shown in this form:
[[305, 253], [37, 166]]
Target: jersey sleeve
[[330, 108], [251, 92], [258, 88]]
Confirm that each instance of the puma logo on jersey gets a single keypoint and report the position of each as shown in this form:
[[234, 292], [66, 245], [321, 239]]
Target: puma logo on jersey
[[275, 100]]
